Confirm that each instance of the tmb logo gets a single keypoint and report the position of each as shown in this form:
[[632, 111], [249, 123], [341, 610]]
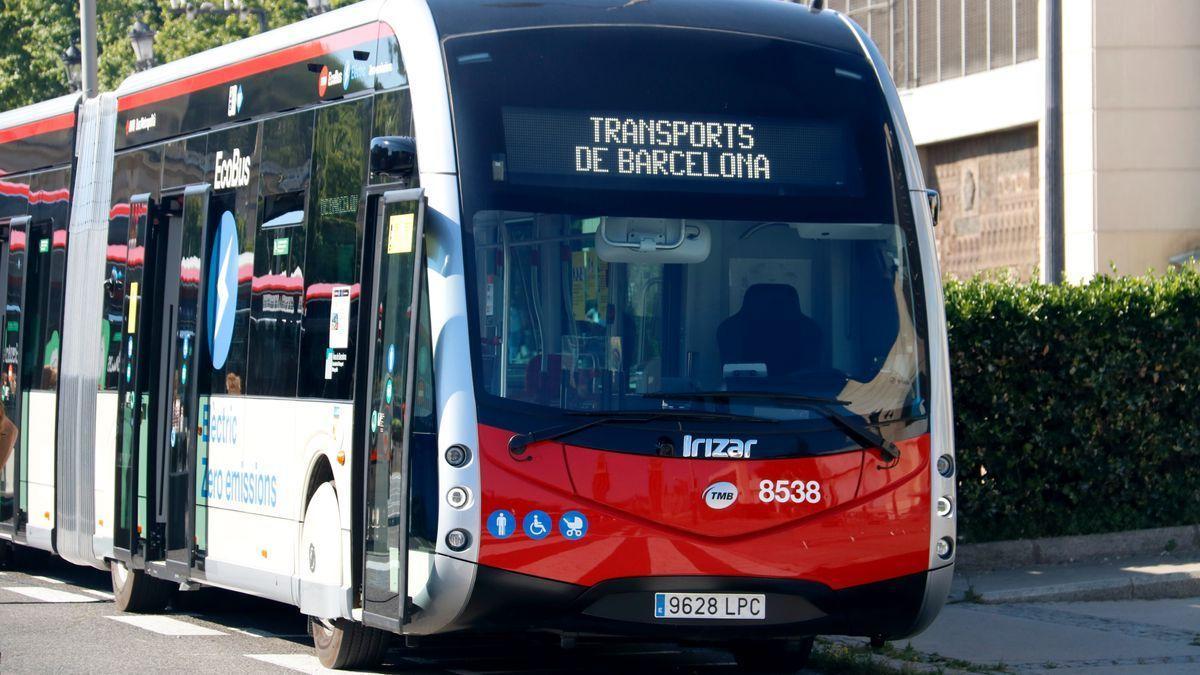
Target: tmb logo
[[725, 448], [720, 495], [328, 78]]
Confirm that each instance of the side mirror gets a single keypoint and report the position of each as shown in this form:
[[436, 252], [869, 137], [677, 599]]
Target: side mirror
[[393, 160], [935, 204]]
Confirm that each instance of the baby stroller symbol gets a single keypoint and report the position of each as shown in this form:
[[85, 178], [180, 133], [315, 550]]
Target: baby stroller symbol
[[573, 525]]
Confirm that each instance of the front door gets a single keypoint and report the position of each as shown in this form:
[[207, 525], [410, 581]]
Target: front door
[[398, 261], [155, 489]]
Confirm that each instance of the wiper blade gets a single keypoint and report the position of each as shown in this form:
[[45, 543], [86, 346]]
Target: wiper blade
[[520, 442], [854, 426], [784, 395]]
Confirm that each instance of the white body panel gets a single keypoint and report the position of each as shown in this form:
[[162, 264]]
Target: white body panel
[[260, 456], [105, 476], [40, 419]]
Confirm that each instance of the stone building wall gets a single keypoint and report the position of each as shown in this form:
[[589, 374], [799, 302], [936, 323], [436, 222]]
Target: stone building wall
[[990, 208]]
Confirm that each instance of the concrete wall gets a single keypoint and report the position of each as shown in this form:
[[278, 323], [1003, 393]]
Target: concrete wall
[[1144, 109]]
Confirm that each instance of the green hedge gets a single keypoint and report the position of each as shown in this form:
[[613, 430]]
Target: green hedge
[[1077, 407]]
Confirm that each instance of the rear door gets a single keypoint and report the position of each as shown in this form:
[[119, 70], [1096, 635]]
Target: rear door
[[158, 408]]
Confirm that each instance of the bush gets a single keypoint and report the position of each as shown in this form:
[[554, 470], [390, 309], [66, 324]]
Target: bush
[[1077, 407]]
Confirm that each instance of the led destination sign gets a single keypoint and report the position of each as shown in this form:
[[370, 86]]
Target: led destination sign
[[621, 150]]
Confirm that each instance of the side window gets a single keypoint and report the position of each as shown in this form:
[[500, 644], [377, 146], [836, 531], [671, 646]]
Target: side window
[[46, 269], [233, 161], [137, 172], [276, 303], [333, 250]]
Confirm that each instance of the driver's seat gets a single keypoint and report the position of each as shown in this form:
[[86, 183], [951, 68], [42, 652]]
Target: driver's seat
[[771, 328]]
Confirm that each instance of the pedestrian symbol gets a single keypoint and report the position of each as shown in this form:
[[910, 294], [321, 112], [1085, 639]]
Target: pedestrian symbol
[[573, 525], [536, 525], [501, 524]]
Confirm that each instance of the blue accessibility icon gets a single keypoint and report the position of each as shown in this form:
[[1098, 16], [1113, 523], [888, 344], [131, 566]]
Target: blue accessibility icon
[[501, 524], [573, 525], [536, 525]]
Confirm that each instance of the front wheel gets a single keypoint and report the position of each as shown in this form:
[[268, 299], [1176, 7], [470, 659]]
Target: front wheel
[[136, 591], [348, 644], [772, 656]]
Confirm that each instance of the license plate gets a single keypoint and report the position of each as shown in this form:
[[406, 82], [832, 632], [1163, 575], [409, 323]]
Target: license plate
[[751, 606]]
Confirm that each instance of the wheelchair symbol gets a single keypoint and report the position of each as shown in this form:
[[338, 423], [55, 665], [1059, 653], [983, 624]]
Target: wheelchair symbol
[[536, 525], [573, 525]]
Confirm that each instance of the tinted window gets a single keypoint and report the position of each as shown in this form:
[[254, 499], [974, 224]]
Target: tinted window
[[233, 160], [278, 287], [333, 250], [137, 172]]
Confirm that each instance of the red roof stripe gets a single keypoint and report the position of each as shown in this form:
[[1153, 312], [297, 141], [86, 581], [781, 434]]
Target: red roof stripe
[[43, 126], [252, 66]]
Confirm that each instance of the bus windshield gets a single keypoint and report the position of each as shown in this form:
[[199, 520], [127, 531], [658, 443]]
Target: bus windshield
[[685, 219]]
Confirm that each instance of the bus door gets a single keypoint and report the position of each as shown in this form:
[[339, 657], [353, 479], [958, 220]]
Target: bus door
[[396, 273], [12, 289], [157, 392]]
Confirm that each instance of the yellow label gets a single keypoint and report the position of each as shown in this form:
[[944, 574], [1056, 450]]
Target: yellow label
[[133, 303], [400, 234]]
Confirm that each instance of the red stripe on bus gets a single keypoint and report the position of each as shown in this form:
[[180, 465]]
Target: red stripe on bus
[[287, 56], [45, 126]]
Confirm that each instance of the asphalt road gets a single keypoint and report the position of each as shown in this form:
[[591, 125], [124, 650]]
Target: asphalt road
[[56, 617]]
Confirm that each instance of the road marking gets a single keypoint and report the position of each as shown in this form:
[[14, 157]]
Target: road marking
[[45, 579], [44, 594], [98, 594], [165, 625], [303, 663]]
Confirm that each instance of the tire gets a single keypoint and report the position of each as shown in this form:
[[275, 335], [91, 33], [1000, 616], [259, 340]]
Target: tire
[[136, 591], [348, 644], [772, 656]]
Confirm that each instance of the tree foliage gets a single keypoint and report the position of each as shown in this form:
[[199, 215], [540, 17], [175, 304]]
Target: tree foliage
[[1077, 407], [34, 33]]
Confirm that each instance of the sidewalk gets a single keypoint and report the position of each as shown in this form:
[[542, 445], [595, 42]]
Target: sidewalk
[[1146, 578], [1137, 616]]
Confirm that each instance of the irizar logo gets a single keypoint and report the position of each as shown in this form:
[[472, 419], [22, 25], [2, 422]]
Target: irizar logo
[[720, 495], [233, 172], [725, 448]]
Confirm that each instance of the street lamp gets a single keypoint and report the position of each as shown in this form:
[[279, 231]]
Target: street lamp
[[316, 7], [72, 63], [142, 37]]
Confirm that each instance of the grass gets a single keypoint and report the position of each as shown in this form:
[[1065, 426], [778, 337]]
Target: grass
[[860, 659]]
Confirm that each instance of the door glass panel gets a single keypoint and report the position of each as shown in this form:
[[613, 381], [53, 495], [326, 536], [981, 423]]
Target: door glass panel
[[182, 383], [131, 485], [398, 249], [14, 271]]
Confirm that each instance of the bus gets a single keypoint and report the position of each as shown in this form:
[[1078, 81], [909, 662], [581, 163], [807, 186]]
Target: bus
[[595, 319]]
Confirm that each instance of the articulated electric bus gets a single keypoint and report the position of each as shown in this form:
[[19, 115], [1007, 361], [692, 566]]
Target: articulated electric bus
[[600, 319]]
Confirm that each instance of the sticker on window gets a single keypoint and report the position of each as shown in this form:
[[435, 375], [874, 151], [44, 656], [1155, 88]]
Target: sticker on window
[[400, 233], [339, 318]]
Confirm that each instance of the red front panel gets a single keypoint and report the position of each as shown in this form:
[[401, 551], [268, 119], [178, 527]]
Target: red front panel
[[648, 516]]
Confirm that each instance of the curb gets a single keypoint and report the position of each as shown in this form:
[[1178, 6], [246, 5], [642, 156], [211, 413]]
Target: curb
[[999, 555], [1158, 587]]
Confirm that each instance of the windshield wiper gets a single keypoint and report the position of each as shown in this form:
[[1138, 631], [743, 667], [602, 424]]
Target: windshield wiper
[[520, 442], [853, 425]]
